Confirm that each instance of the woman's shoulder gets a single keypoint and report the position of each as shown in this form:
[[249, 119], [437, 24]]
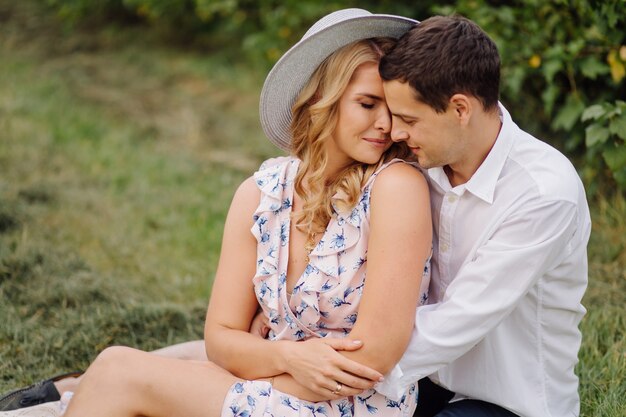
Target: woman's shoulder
[[399, 177], [274, 183], [248, 193], [399, 165], [397, 170], [275, 174], [275, 162]]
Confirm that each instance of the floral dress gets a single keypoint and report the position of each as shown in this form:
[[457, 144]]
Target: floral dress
[[323, 303]]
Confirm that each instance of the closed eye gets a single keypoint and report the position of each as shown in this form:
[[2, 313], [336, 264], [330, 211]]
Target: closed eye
[[408, 122]]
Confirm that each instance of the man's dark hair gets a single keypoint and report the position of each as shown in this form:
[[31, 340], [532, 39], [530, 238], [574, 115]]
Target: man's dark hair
[[443, 56]]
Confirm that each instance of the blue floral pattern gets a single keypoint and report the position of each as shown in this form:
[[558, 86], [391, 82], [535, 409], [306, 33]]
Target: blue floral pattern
[[324, 301]]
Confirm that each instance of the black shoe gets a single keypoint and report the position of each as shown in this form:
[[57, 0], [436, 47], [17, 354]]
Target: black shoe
[[38, 393]]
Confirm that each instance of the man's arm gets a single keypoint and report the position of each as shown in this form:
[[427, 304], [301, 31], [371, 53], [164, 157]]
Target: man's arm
[[486, 289]]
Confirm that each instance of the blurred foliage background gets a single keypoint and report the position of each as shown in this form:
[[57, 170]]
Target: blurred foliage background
[[126, 126], [564, 61]]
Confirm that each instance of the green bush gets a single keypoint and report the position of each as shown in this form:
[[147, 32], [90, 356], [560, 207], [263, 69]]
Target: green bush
[[86, 12], [564, 64], [564, 61], [606, 134], [261, 29]]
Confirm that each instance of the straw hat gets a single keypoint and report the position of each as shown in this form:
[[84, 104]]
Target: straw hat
[[295, 67]]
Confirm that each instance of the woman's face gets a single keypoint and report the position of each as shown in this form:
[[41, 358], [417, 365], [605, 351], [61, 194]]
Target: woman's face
[[364, 122]]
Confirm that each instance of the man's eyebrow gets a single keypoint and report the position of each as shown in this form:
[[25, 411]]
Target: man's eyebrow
[[403, 116]]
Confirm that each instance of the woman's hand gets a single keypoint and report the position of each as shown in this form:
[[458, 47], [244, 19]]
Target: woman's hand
[[316, 364], [260, 325]]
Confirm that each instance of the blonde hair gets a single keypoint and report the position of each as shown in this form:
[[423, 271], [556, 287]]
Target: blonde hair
[[315, 116]]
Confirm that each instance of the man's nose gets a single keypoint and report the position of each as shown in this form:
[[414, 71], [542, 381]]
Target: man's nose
[[398, 134]]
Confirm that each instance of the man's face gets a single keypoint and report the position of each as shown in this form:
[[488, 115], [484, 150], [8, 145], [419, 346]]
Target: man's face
[[434, 138]]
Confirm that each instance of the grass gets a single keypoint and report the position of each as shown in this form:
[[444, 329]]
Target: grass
[[118, 157], [602, 367], [117, 162]]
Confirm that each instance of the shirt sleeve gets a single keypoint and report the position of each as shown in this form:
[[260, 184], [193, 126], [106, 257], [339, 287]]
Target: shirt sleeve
[[527, 244]]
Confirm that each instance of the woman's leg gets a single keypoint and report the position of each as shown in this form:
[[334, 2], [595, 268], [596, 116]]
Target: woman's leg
[[128, 382], [194, 350], [67, 384], [51, 389]]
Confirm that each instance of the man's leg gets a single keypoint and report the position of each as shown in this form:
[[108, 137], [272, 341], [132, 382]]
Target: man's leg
[[474, 408], [193, 351], [432, 398]]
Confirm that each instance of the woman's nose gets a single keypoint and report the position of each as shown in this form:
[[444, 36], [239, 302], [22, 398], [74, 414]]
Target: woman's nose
[[383, 121]]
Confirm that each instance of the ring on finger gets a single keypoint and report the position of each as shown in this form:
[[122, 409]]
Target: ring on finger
[[338, 389]]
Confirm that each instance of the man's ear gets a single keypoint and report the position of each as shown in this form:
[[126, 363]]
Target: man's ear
[[462, 107]]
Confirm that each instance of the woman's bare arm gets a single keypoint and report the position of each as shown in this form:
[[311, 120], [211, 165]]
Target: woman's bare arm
[[232, 308], [399, 244], [233, 303]]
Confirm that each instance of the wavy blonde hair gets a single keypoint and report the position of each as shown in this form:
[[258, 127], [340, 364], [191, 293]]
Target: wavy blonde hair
[[315, 116]]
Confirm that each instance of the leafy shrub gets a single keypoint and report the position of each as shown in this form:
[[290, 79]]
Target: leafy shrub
[[606, 134], [563, 72], [86, 11], [562, 60]]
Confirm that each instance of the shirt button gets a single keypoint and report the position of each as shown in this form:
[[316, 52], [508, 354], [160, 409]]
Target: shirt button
[[452, 199], [443, 247]]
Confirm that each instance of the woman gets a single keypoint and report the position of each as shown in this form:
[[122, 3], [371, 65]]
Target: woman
[[305, 228]]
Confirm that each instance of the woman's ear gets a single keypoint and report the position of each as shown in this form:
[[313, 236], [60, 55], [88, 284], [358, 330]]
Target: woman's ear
[[314, 98]]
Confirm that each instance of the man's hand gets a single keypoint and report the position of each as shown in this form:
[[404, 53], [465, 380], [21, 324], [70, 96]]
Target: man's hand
[[317, 365]]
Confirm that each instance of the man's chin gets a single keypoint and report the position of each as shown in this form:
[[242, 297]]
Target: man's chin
[[424, 163]]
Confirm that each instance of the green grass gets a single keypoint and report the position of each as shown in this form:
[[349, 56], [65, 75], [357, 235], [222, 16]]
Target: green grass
[[117, 163], [118, 158], [602, 367]]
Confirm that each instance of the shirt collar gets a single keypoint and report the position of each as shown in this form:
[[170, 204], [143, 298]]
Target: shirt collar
[[483, 183]]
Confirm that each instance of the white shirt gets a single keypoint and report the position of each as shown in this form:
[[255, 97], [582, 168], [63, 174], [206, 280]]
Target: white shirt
[[508, 274]]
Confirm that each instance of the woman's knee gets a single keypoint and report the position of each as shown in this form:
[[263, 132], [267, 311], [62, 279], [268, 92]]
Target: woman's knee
[[113, 363], [113, 374], [115, 356]]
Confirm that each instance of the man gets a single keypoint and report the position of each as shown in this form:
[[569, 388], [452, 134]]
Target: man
[[511, 228]]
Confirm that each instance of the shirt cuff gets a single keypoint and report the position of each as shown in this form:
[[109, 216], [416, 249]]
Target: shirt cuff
[[392, 387]]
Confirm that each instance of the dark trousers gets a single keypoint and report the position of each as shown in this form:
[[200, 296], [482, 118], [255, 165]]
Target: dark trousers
[[434, 402]]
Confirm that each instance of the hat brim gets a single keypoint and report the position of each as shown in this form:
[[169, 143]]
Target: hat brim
[[293, 70]]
